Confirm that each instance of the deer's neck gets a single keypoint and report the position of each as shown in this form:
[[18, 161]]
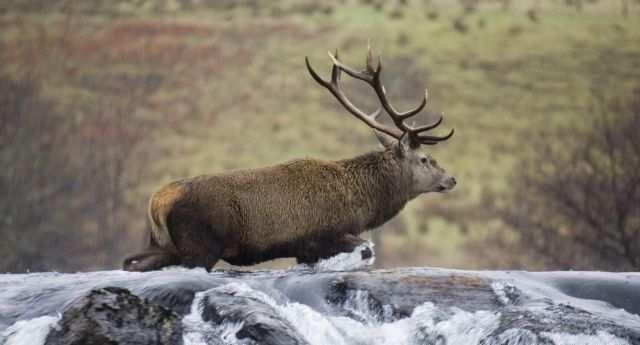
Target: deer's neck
[[381, 188]]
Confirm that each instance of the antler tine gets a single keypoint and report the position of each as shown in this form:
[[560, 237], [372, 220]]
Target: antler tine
[[432, 140], [424, 128], [336, 90], [371, 76], [362, 75], [315, 75], [397, 117], [335, 72]]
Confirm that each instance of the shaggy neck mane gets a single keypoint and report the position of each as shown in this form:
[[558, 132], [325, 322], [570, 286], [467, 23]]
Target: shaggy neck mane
[[381, 187]]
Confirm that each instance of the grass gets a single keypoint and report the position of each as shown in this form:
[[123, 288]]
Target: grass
[[234, 82]]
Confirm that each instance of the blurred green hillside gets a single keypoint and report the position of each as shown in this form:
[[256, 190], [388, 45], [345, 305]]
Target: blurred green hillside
[[161, 90]]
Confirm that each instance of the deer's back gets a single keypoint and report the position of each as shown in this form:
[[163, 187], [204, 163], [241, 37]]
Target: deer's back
[[267, 207]]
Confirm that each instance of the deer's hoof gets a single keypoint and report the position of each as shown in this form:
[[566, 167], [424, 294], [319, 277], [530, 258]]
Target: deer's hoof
[[366, 253]]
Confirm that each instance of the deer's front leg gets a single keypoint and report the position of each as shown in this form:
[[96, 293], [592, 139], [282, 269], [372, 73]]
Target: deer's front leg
[[330, 247], [350, 242]]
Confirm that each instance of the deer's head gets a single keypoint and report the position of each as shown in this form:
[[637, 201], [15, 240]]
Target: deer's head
[[403, 140], [426, 174]]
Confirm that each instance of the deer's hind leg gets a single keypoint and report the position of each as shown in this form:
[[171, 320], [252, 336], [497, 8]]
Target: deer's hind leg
[[196, 244], [152, 259]]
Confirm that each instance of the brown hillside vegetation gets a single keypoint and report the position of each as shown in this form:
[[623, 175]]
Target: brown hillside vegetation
[[102, 102]]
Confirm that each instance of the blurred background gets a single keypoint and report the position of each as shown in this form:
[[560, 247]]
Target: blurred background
[[102, 102]]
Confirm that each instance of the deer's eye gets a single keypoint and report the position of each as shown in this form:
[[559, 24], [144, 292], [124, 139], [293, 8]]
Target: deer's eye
[[424, 160]]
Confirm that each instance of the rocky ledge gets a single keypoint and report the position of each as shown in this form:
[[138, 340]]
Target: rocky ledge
[[303, 306]]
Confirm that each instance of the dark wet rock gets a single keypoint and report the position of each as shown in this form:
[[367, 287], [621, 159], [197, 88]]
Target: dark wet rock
[[405, 290], [178, 299], [175, 296], [560, 318], [260, 321], [114, 316]]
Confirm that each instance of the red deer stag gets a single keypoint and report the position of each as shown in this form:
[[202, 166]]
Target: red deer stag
[[308, 208]]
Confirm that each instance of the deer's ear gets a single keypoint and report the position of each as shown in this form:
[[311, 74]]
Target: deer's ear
[[385, 139]]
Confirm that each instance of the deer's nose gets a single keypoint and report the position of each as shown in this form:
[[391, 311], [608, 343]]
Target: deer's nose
[[453, 181]]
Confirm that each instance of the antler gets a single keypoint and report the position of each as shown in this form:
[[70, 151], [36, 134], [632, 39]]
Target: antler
[[371, 76]]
